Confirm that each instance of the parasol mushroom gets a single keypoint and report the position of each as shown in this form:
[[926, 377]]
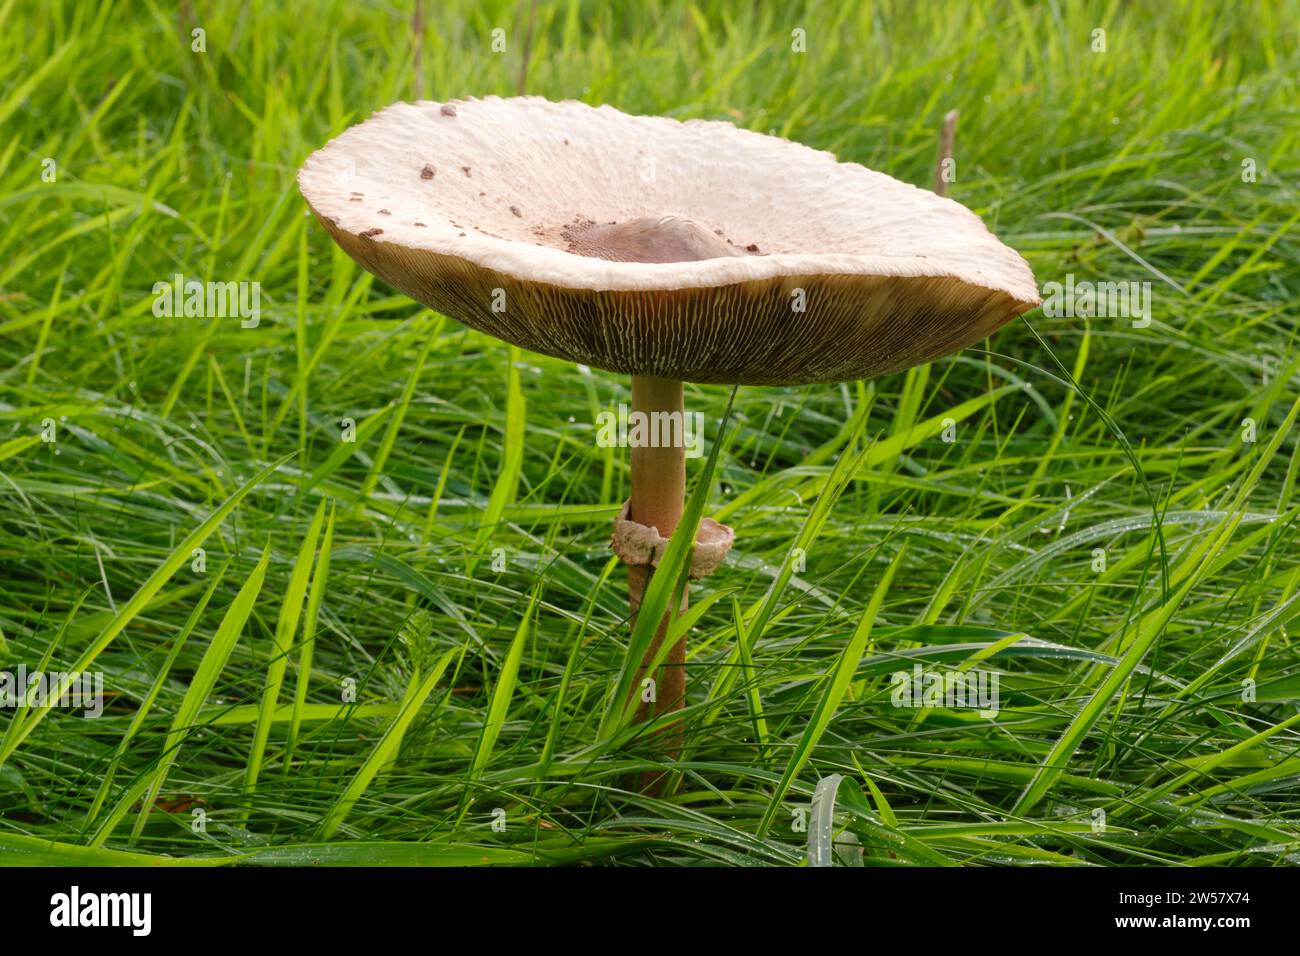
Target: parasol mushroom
[[668, 251]]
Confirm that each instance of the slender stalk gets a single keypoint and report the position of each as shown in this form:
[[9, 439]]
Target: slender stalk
[[658, 496], [947, 139]]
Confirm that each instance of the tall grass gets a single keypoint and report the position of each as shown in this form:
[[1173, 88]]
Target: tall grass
[[1118, 554]]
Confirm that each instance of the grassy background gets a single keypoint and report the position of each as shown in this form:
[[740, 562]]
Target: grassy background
[[476, 688]]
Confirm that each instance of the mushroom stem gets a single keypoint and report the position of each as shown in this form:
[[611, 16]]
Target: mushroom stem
[[658, 496]]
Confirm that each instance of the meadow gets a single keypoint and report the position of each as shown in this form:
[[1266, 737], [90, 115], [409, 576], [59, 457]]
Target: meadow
[[345, 570]]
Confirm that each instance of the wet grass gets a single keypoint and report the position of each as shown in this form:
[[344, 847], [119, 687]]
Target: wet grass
[[403, 648]]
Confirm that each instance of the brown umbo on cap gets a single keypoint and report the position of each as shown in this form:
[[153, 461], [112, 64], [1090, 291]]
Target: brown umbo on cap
[[680, 250]]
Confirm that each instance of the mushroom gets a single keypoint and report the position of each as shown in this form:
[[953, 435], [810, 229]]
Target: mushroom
[[668, 251]]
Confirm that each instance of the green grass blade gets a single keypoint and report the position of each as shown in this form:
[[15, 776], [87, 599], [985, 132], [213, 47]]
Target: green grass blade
[[179, 556], [1148, 630], [285, 629], [666, 581], [417, 693], [506, 486], [307, 648], [499, 706], [837, 683], [146, 705], [186, 719]]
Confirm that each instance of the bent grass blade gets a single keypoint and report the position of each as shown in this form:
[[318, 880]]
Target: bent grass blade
[[186, 720], [307, 651], [837, 684], [285, 629], [180, 554], [417, 692]]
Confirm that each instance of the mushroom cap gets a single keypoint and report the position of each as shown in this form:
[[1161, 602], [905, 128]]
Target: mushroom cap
[[644, 245]]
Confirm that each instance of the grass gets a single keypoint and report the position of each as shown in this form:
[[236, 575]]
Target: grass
[[427, 676]]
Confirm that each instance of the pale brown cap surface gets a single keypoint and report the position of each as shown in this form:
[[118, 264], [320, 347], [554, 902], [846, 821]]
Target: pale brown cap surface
[[644, 245]]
